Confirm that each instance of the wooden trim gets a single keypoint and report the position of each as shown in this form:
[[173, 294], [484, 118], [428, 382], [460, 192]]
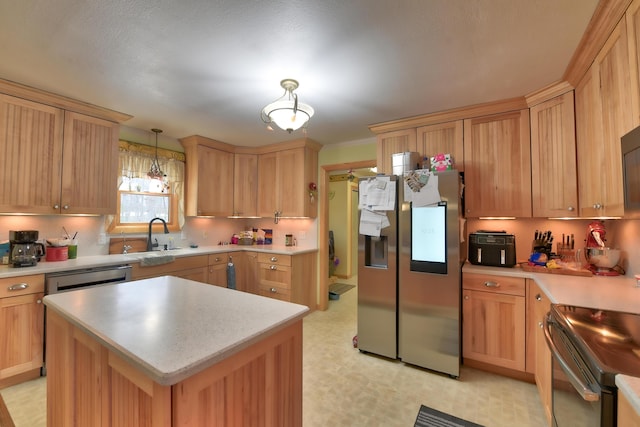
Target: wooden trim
[[150, 150], [5, 417], [495, 107], [548, 92], [48, 98], [605, 18], [194, 140]]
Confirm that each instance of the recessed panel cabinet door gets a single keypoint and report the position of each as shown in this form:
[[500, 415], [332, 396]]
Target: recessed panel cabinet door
[[30, 153], [390, 143], [90, 165], [497, 164]]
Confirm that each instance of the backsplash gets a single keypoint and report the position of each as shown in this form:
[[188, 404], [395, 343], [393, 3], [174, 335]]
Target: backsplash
[[198, 231]]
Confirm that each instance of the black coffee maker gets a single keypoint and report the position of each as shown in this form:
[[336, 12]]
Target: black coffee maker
[[24, 250]]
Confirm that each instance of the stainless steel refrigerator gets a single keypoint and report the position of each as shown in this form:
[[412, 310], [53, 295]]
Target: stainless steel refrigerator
[[409, 280]]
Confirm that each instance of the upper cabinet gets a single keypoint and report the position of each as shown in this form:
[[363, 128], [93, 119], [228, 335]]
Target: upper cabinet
[[603, 116], [284, 176], [497, 164], [209, 177], [56, 161], [554, 186], [390, 143], [442, 138], [245, 185]]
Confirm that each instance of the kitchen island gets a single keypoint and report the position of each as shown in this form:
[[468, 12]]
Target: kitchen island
[[169, 351]]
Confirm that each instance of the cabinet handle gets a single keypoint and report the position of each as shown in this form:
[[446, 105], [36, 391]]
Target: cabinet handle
[[274, 259], [597, 206], [571, 209], [540, 325], [217, 259], [492, 284], [65, 207], [538, 297], [56, 206], [273, 267], [39, 301], [273, 290], [18, 287], [466, 297]]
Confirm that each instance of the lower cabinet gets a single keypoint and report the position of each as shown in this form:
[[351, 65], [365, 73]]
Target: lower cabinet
[[538, 307], [288, 277], [627, 414], [21, 328], [218, 269], [190, 267], [493, 326]]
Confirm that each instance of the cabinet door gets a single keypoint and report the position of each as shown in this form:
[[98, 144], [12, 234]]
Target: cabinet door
[[294, 194], [443, 138], [493, 328], [632, 17], [268, 191], [214, 183], [554, 185], [90, 165], [538, 307], [21, 334], [218, 269], [30, 153], [394, 142], [249, 278], [603, 116], [497, 164], [245, 185]]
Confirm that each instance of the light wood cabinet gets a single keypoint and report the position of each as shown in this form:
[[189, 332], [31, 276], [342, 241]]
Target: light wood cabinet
[[497, 164], [554, 185], [247, 271], [189, 267], [21, 328], [493, 327], [209, 177], [628, 416], [603, 116], [289, 278], [389, 143], [56, 161], [632, 17], [245, 185], [283, 182], [218, 269], [538, 354], [442, 138], [90, 385]]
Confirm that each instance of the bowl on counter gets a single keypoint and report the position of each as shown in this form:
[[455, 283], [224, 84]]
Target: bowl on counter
[[602, 257]]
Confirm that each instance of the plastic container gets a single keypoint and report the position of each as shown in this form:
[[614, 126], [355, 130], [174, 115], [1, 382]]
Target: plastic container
[[57, 253]]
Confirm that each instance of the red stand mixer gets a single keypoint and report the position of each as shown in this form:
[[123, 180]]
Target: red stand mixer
[[603, 261]]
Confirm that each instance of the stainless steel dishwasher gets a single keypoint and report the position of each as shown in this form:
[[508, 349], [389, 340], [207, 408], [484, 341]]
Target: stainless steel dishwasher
[[65, 281]]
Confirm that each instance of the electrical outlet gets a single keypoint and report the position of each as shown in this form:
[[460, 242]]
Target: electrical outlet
[[303, 235], [102, 239]]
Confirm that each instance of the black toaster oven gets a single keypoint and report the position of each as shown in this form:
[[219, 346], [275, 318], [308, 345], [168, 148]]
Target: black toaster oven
[[492, 248]]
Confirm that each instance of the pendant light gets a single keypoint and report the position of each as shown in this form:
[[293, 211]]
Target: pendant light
[[286, 112], [155, 172]]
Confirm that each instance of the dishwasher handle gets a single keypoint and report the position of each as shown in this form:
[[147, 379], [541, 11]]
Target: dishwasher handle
[[583, 389]]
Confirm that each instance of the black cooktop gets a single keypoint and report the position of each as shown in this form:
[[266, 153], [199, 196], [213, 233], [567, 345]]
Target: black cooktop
[[609, 341]]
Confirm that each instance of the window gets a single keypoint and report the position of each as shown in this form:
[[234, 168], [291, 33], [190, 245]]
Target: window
[[140, 198]]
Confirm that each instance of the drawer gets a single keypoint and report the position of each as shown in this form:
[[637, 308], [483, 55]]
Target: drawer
[[266, 290], [274, 259], [21, 285], [496, 284], [275, 275], [218, 259]]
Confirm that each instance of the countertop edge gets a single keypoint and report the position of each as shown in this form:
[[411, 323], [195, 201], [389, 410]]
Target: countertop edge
[[92, 261], [630, 387]]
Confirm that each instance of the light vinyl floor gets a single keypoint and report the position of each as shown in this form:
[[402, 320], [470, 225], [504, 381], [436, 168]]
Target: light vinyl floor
[[343, 387]]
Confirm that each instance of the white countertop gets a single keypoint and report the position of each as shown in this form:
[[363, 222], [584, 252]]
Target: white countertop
[[608, 293], [171, 328], [118, 259]]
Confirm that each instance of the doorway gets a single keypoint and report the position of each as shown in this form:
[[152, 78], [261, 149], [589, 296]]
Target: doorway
[[325, 172]]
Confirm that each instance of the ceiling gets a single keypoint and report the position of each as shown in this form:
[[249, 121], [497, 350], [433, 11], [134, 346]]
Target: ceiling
[[207, 67]]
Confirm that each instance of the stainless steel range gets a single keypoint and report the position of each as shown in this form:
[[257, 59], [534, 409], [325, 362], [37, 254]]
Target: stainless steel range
[[589, 347]]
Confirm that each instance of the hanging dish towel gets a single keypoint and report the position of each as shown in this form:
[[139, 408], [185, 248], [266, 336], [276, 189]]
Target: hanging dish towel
[[231, 275]]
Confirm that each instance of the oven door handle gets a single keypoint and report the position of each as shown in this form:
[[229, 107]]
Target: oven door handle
[[585, 392]]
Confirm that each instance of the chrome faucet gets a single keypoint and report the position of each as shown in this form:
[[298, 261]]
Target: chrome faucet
[[150, 245]]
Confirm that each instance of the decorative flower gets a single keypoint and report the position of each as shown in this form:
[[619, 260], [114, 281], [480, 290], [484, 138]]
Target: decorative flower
[[336, 261]]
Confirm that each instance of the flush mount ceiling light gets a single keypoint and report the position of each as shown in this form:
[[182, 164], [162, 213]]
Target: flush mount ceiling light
[[286, 112], [155, 172]]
